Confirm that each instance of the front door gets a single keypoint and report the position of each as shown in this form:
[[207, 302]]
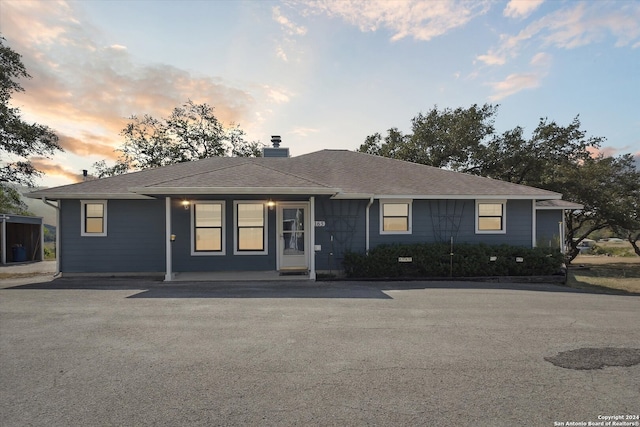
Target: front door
[[293, 242]]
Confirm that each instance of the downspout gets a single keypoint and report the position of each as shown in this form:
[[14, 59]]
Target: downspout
[[367, 225], [58, 231]]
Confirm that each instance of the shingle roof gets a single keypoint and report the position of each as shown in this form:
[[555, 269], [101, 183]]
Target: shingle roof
[[337, 172], [557, 204]]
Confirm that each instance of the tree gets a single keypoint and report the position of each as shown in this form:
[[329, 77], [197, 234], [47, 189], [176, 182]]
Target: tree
[[19, 140], [632, 237], [556, 158], [191, 132], [609, 189], [537, 161], [11, 201], [452, 139]]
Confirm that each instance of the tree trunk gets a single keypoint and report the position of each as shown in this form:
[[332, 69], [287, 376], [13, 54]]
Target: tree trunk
[[634, 242]]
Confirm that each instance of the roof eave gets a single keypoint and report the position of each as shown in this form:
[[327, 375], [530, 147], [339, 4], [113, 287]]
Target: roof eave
[[85, 196], [545, 196]]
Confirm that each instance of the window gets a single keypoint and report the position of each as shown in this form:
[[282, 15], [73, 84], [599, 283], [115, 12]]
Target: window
[[490, 216], [94, 218], [395, 217], [251, 224], [208, 228]]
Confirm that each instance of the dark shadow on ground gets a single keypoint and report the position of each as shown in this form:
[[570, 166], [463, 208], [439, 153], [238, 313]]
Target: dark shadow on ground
[[155, 288]]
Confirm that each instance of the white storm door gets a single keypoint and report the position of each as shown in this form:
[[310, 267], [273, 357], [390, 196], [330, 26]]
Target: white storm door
[[293, 241]]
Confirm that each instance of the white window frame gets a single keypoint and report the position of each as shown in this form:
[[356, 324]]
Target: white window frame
[[504, 216], [193, 228], [265, 235], [408, 202], [83, 217]]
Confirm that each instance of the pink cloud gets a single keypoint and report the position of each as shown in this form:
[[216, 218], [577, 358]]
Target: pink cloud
[[578, 24], [86, 92], [422, 20], [53, 168]]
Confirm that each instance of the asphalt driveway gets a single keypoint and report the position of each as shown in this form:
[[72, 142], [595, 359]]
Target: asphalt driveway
[[79, 352]]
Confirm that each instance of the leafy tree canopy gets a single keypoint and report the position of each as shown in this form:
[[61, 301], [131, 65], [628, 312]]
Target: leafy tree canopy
[[555, 157], [453, 139], [19, 140], [191, 132]]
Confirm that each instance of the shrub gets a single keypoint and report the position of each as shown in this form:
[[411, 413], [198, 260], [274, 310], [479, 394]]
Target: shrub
[[467, 260]]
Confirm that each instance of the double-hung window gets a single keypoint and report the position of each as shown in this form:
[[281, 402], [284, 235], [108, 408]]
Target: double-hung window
[[93, 218], [491, 216], [251, 228], [395, 217], [208, 228]]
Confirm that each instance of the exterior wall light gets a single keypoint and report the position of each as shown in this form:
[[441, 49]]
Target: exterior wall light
[[185, 205], [173, 238], [271, 204]]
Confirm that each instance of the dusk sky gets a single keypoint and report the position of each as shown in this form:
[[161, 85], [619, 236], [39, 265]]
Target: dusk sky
[[322, 74]]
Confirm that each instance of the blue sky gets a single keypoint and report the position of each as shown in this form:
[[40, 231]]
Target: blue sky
[[322, 74]]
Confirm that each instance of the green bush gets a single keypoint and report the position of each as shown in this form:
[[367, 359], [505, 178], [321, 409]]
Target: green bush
[[468, 260], [49, 253]]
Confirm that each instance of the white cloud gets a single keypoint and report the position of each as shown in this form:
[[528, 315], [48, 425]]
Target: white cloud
[[279, 95], [514, 83], [541, 59], [521, 8], [492, 58], [286, 47], [280, 53], [517, 82], [289, 27], [577, 25], [422, 20]]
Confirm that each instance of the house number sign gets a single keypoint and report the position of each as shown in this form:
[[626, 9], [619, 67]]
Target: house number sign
[[320, 223]]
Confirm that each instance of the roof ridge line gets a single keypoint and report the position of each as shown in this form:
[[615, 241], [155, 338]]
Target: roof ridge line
[[200, 173]]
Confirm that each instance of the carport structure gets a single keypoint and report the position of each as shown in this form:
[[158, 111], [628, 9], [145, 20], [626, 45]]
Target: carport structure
[[21, 239]]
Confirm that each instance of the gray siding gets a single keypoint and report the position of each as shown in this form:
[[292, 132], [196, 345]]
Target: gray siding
[[136, 233], [344, 230], [184, 261], [547, 231], [134, 241], [439, 220]]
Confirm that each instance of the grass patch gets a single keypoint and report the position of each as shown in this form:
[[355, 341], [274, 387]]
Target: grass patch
[[605, 272]]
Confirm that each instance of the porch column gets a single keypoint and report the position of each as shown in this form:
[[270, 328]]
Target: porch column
[[534, 224], [312, 238], [42, 241], [169, 273]]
